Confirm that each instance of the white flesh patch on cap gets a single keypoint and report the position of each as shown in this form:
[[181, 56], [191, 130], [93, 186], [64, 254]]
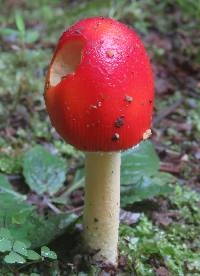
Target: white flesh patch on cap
[[66, 61]]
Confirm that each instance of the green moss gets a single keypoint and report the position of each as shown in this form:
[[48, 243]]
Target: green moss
[[176, 247]]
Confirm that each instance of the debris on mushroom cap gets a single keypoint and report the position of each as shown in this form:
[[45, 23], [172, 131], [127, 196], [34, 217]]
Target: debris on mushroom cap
[[147, 134], [129, 99], [110, 53], [95, 106], [119, 122], [115, 137], [91, 80]]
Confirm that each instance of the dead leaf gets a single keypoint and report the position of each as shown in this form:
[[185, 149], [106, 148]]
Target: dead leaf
[[169, 167], [129, 217], [162, 271]]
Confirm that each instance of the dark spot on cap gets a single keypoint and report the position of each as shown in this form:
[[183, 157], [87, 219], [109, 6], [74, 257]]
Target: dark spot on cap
[[128, 99], [97, 25], [119, 122], [142, 103], [150, 101], [96, 220], [115, 137]]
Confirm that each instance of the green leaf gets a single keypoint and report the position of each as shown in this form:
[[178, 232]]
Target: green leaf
[[44, 172], [5, 245], [4, 184], [20, 248], [5, 187], [140, 178], [41, 232], [146, 187], [137, 162], [19, 21], [7, 31], [13, 211], [78, 182], [5, 233], [13, 258], [27, 226], [47, 253], [31, 36], [32, 255]]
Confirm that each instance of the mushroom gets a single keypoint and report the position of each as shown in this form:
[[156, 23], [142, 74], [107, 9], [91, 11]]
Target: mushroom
[[99, 95]]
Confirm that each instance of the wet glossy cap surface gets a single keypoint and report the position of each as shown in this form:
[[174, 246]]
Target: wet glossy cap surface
[[99, 89]]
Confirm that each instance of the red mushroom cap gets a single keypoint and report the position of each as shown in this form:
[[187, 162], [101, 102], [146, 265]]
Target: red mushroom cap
[[99, 89]]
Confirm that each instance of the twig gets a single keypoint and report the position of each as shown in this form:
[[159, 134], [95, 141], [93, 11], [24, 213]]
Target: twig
[[80, 208], [73, 186], [169, 167], [29, 263], [167, 111], [161, 147], [51, 205]]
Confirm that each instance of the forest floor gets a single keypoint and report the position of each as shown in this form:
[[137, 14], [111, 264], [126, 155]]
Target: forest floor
[[159, 231]]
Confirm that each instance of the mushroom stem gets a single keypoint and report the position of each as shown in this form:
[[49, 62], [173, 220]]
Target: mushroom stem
[[102, 204]]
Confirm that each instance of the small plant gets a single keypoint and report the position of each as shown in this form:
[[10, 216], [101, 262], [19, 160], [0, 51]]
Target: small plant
[[22, 35], [18, 252]]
